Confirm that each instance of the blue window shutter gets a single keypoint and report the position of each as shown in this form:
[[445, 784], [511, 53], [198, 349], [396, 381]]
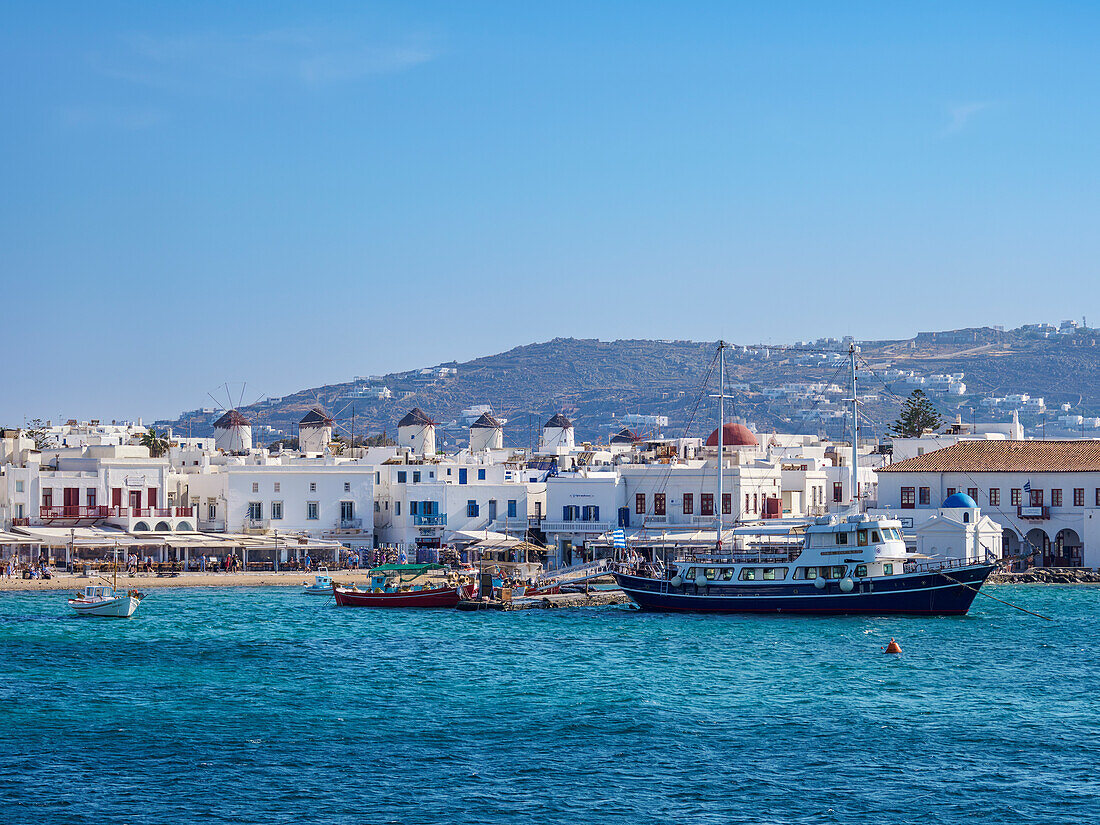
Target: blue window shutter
[[462, 475]]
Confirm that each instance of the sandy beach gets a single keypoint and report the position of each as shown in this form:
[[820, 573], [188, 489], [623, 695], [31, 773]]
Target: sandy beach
[[150, 581]]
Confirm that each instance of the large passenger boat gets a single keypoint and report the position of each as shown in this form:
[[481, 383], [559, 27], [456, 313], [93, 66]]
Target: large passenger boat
[[847, 563], [851, 564]]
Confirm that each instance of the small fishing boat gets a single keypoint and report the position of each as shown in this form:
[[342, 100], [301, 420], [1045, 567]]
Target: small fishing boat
[[105, 599], [415, 596], [322, 584], [395, 585]]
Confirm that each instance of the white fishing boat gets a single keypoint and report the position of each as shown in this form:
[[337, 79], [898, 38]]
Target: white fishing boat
[[322, 584], [105, 600]]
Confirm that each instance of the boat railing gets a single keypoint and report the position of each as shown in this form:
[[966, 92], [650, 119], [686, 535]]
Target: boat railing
[[936, 566]]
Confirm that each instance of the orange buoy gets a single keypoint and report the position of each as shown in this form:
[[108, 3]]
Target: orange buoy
[[893, 647]]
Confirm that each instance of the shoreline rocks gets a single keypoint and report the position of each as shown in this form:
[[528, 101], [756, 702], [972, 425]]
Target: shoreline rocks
[[1042, 575]]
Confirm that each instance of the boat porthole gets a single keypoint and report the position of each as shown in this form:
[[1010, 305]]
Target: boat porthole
[[795, 591]]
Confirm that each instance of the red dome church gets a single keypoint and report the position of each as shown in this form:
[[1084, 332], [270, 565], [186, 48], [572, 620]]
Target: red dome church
[[733, 435]]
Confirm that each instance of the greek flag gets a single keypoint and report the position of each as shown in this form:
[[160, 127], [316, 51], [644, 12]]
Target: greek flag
[[618, 539], [1027, 486]]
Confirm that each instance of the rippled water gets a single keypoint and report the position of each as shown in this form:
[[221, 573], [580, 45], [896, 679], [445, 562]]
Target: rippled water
[[263, 705]]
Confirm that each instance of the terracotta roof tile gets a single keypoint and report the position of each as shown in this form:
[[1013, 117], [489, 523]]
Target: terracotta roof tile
[[1080, 456]]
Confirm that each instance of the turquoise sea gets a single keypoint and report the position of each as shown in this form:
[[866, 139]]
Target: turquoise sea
[[266, 706]]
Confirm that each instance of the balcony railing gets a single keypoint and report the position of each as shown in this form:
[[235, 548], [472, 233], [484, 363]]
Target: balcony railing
[[73, 512], [1035, 513], [430, 520], [351, 523], [577, 526]]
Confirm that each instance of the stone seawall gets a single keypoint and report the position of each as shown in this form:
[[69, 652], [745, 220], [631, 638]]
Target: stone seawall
[[1040, 575]]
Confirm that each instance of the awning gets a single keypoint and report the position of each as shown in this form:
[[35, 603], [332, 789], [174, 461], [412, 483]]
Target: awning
[[85, 537]]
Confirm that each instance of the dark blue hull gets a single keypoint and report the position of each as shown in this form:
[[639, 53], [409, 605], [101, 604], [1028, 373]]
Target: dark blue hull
[[949, 593]]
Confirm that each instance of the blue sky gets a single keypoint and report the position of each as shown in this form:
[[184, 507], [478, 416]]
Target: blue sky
[[293, 194]]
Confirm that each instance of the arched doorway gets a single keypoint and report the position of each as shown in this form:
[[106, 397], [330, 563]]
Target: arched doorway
[[1010, 543], [141, 527], [162, 527], [1037, 547], [183, 527], [1067, 549]]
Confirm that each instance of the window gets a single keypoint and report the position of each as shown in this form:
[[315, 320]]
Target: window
[[347, 486], [659, 504], [1078, 496], [1055, 498], [1015, 496], [312, 509], [746, 502], [569, 512], [951, 491], [924, 496], [276, 511], [397, 508], [861, 571], [689, 504], [755, 503], [639, 503], [480, 475], [972, 492], [472, 510], [591, 513], [402, 476], [19, 486], [887, 569], [805, 573], [838, 491], [875, 537], [347, 511], [255, 510], [727, 503], [313, 486], [907, 498], [90, 496], [994, 496], [1036, 498], [277, 487], [511, 508], [706, 504], [416, 476], [841, 538], [414, 508], [748, 574], [861, 538], [255, 486], [461, 475], [211, 509]]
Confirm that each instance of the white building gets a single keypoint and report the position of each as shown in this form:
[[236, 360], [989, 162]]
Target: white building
[[557, 435], [1044, 494]]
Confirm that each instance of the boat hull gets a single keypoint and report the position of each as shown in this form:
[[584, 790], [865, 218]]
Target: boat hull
[[439, 597], [946, 593], [122, 607]]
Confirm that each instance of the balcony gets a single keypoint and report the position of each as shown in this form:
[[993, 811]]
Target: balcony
[[351, 523], [430, 520], [576, 526], [72, 513], [1036, 513], [515, 524]]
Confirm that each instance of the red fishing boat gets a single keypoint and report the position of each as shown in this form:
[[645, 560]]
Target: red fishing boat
[[448, 596]]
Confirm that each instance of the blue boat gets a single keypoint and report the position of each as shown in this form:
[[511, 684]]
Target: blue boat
[[844, 565]]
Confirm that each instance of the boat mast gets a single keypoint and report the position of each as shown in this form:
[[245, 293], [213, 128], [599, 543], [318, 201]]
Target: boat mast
[[114, 580], [852, 350], [721, 431]]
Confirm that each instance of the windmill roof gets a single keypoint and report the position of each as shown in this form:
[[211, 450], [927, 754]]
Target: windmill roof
[[232, 418], [558, 420], [415, 417], [316, 417], [624, 436], [486, 422]]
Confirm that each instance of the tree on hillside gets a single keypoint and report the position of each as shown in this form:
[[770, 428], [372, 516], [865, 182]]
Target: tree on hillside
[[918, 414], [157, 444]]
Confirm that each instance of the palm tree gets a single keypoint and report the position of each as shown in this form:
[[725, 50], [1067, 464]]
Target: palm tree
[[157, 444]]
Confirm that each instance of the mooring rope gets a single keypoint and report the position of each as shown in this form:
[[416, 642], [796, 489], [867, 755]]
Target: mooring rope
[[1002, 601]]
